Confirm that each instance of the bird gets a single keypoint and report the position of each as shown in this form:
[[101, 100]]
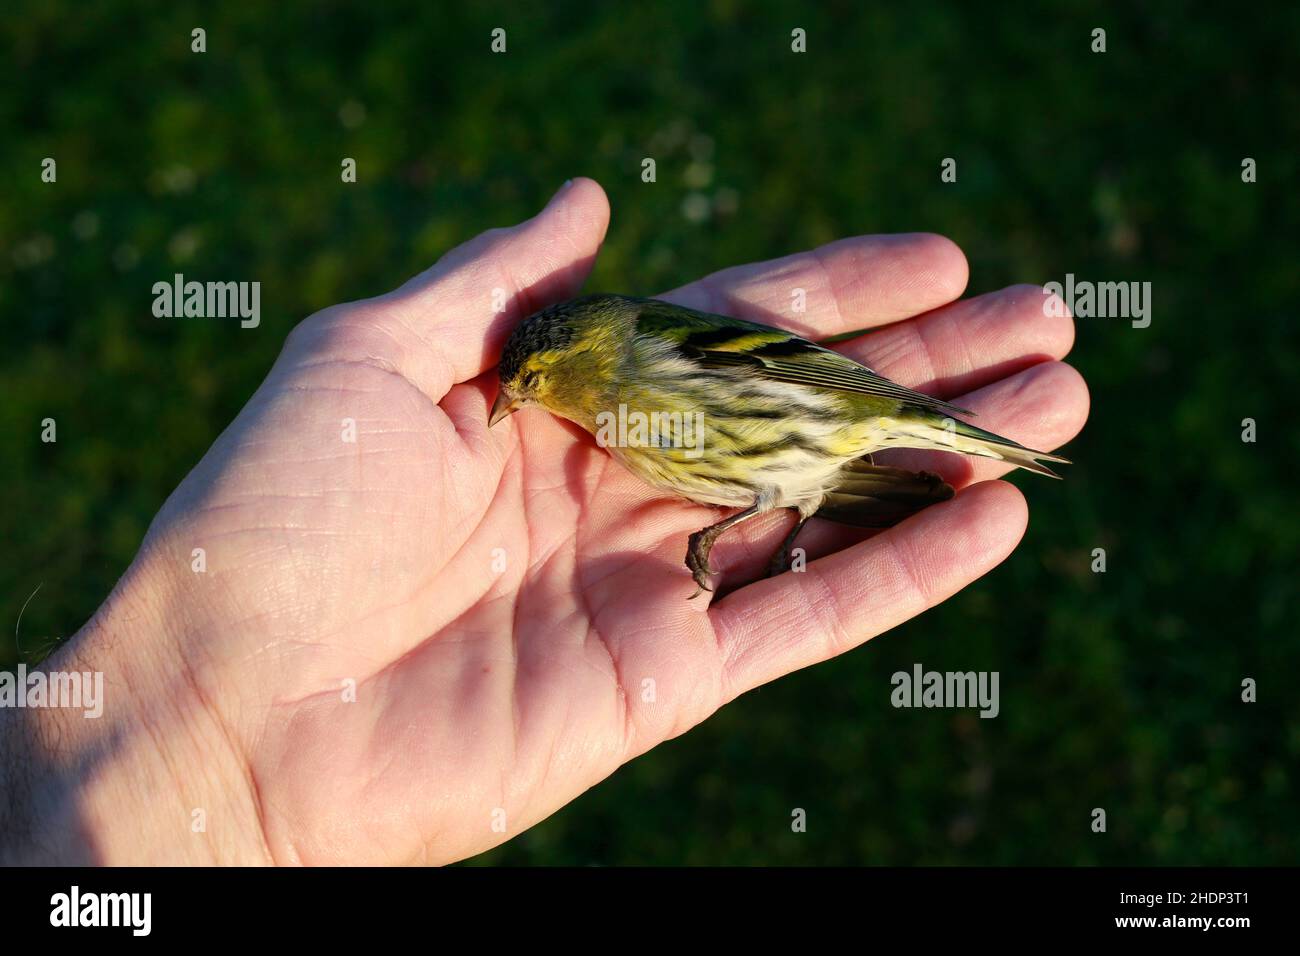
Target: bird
[[728, 412]]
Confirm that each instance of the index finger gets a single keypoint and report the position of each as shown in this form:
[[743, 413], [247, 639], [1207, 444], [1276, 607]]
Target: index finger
[[845, 286]]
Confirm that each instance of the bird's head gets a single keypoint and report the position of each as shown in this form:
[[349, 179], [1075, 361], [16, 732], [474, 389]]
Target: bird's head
[[559, 357]]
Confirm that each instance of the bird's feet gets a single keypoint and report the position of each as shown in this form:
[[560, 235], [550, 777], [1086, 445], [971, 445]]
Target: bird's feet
[[780, 562], [697, 559]]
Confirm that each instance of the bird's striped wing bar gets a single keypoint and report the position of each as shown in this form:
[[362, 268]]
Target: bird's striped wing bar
[[718, 341]]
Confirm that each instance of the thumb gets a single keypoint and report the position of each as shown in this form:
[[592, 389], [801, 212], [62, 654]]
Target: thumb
[[457, 314]]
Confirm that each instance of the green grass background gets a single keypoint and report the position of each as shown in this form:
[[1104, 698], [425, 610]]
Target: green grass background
[[1119, 690]]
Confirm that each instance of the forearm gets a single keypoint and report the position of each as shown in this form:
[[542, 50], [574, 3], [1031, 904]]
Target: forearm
[[152, 778]]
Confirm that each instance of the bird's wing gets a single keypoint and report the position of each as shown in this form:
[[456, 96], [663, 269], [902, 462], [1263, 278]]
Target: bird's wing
[[718, 341], [875, 496]]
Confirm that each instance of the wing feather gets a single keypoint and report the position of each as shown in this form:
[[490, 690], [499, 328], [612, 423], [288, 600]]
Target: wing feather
[[719, 341], [876, 496]]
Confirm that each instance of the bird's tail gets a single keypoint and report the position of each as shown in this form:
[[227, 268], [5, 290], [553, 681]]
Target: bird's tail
[[949, 434]]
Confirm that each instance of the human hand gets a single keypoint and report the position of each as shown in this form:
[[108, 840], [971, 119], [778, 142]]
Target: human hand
[[414, 644]]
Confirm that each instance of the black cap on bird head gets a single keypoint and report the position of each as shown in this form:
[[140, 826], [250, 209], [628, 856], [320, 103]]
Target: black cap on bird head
[[544, 331]]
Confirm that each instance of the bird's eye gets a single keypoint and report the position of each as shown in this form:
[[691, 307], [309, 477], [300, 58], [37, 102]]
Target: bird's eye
[[530, 380]]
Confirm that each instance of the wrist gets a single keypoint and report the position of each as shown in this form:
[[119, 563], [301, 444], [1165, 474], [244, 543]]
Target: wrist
[[140, 770]]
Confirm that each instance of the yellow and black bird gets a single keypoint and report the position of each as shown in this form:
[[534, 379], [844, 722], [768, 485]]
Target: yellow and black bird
[[763, 419]]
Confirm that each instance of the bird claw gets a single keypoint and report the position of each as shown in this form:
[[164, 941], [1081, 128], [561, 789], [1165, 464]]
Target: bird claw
[[779, 564], [697, 560]]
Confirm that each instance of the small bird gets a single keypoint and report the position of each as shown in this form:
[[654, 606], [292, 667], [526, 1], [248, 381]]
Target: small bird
[[722, 411]]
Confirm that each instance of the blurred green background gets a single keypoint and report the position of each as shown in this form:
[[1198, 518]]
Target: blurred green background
[[1119, 690]]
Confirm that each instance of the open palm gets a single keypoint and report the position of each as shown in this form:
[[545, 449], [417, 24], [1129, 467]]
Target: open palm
[[420, 637]]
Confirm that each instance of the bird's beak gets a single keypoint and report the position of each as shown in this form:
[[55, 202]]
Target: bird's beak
[[503, 406]]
